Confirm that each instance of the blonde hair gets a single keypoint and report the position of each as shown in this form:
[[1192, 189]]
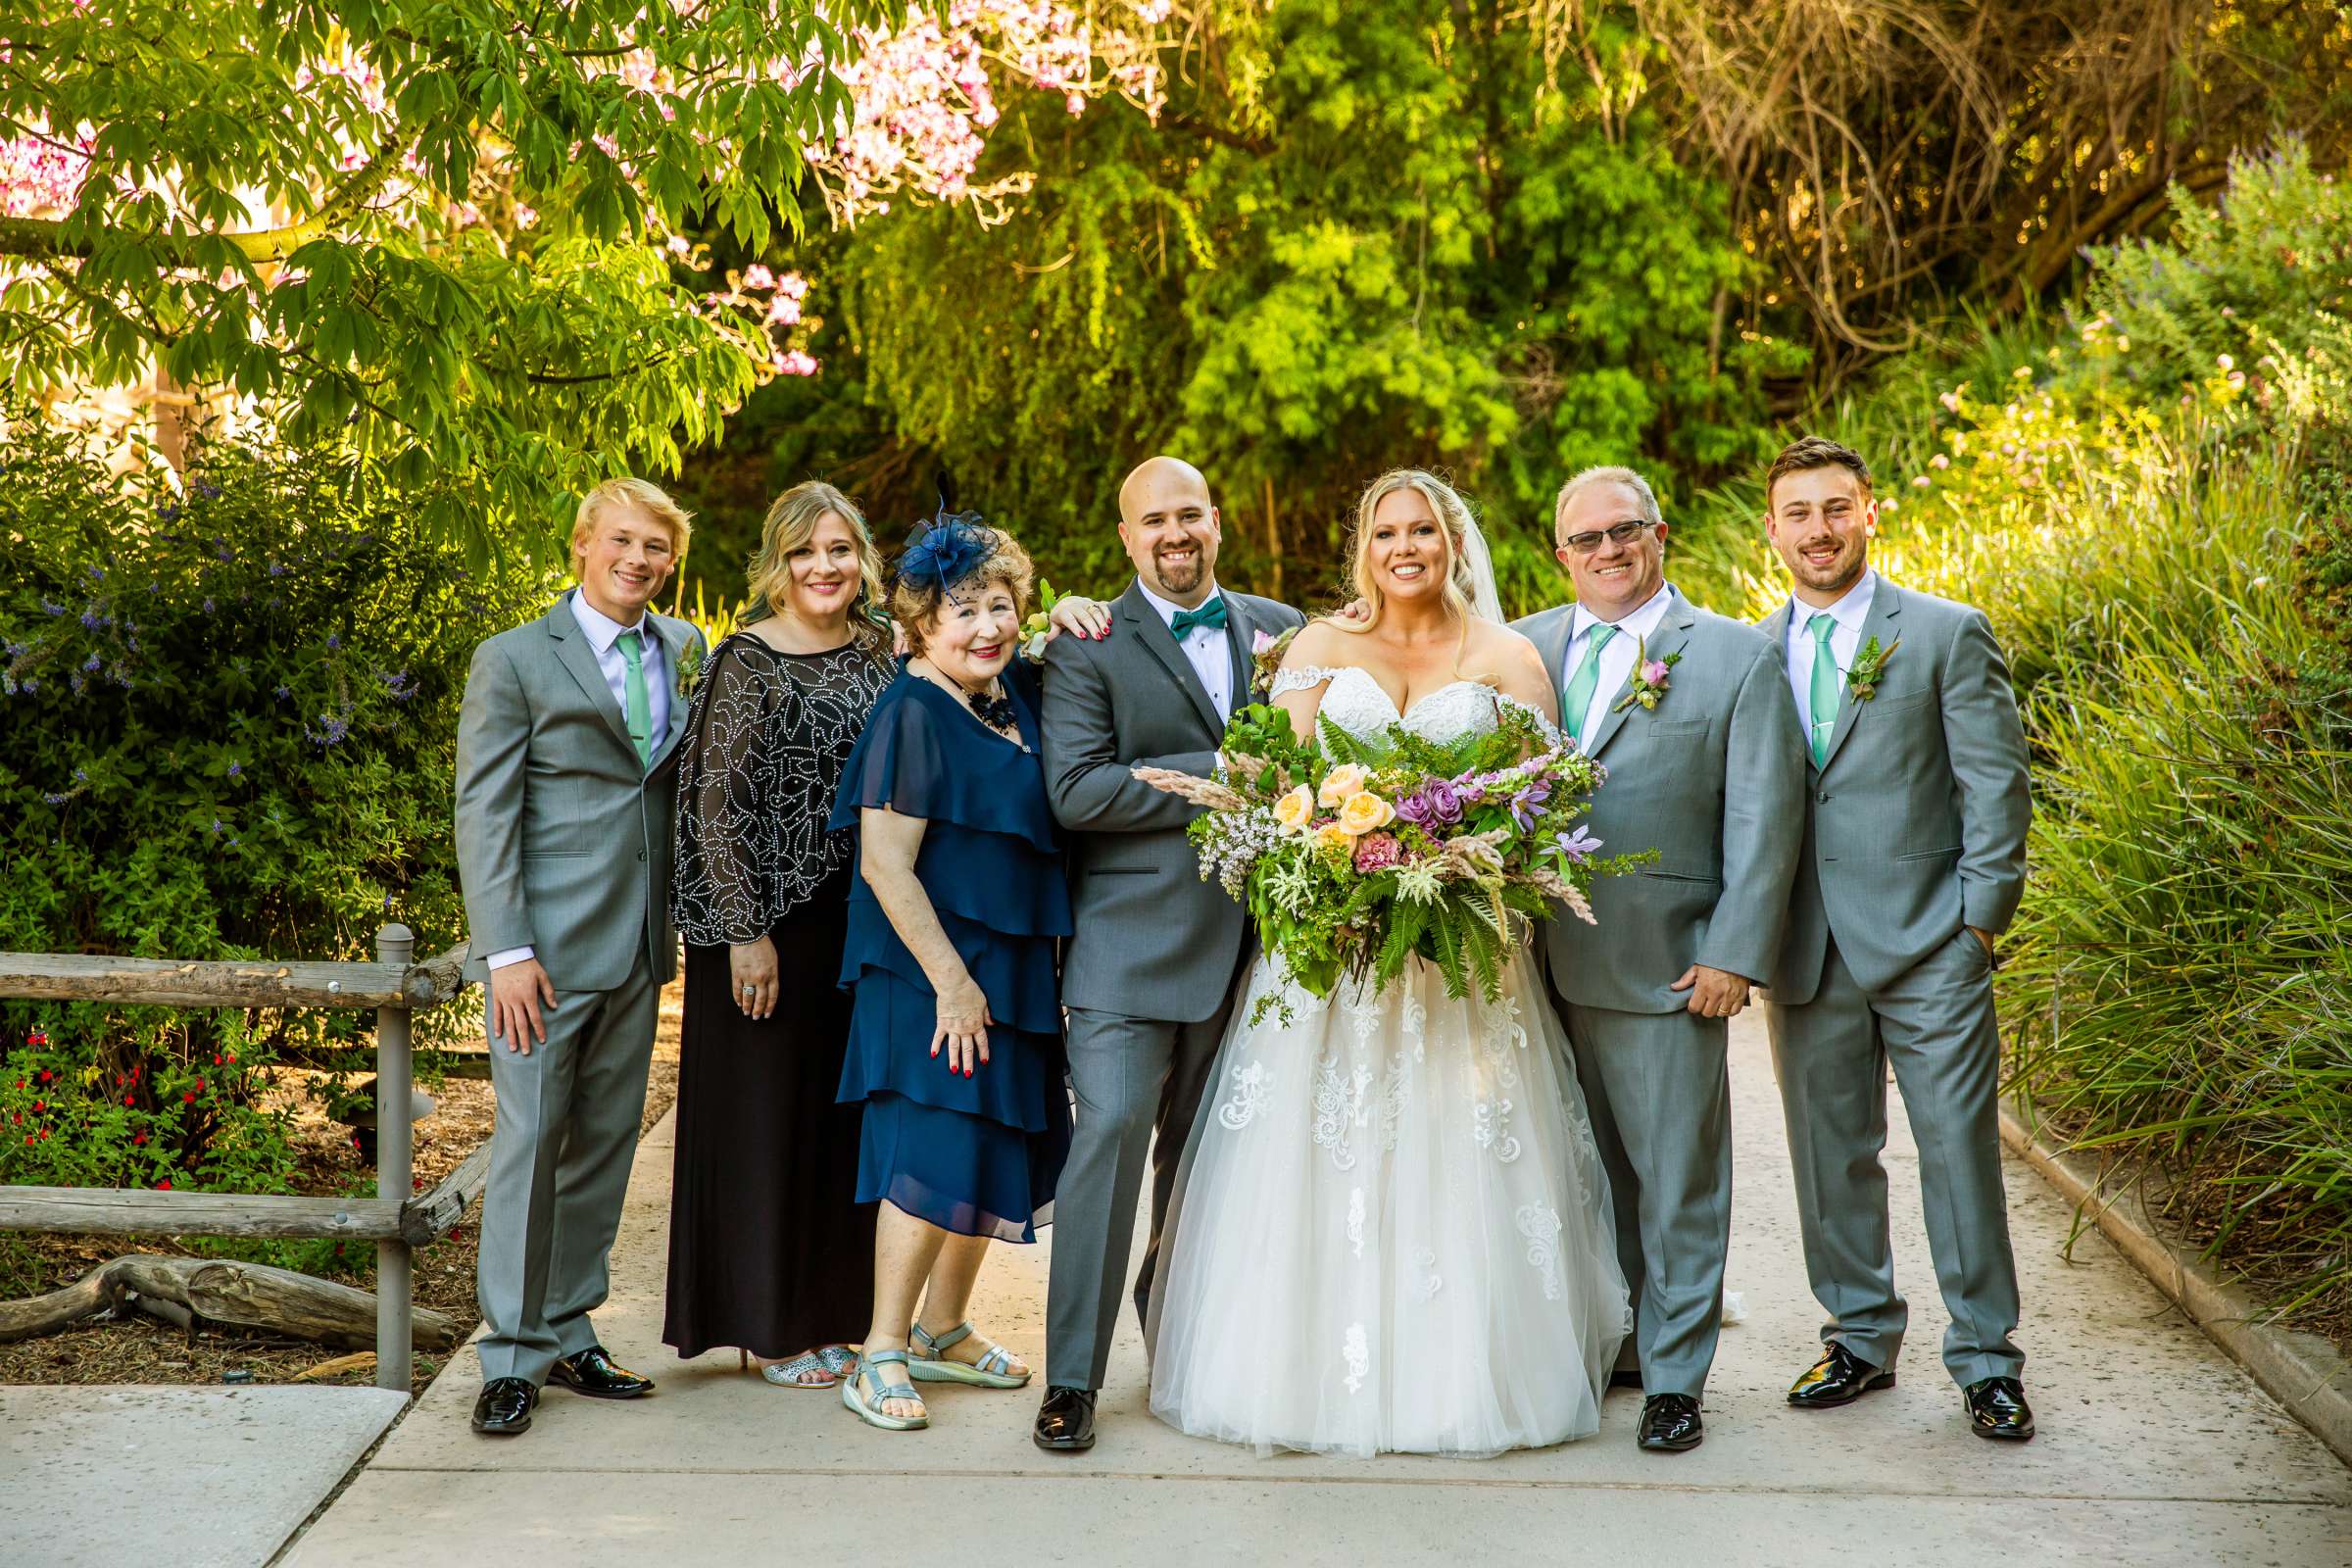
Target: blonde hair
[[792, 522], [648, 498], [913, 604], [1453, 519]]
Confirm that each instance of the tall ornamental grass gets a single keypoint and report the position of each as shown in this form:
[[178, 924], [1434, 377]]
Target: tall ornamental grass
[[2180, 986]]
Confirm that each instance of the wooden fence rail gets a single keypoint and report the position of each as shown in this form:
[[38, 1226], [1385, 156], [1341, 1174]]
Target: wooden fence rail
[[397, 1222]]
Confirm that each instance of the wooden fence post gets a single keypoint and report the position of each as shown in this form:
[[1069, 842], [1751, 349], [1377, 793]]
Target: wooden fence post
[[395, 1160]]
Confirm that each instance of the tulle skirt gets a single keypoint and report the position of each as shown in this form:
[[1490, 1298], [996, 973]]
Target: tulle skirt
[[1394, 1232]]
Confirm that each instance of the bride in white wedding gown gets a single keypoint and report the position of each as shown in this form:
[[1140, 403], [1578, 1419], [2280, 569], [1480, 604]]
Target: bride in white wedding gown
[[1395, 1233]]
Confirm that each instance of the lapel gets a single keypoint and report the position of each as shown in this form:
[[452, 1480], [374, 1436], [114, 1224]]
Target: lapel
[[1240, 630], [1673, 630], [1550, 634], [1775, 627], [675, 635], [1886, 602], [574, 654], [1153, 632]]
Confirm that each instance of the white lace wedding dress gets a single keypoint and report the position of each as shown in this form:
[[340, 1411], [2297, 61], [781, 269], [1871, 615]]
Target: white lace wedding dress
[[1394, 1234]]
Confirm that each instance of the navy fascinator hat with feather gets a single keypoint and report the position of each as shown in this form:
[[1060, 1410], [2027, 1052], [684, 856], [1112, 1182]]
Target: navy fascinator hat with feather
[[949, 548]]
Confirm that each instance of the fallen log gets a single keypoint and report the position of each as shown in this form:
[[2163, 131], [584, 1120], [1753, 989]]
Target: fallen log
[[247, 1296]]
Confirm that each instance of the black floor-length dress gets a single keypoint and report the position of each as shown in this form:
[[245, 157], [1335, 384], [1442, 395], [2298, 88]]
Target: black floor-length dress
[[768, 1247]]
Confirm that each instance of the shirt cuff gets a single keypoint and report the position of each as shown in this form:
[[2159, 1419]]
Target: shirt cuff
[[506, 956]]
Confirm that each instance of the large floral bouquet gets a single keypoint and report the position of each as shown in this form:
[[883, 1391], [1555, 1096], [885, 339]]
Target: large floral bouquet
[[1354, 856]]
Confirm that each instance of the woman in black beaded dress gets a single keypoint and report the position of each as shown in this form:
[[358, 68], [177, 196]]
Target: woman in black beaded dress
[[769, 1251]]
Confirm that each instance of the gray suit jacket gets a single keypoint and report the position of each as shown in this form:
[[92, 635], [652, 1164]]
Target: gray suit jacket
[[1916, 824], [1713, 779], [1153, 941], [564, 840]]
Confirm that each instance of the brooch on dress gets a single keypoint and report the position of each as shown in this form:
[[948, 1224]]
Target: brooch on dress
[[997, 712]]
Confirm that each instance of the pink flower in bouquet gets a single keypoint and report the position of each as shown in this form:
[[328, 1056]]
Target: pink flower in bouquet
[[1377, 852], [1259, 643], [1653, 674]]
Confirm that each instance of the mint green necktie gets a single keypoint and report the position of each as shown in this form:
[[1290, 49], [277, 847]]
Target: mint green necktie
[[1825, 686], [640, 707], [1579, 695]]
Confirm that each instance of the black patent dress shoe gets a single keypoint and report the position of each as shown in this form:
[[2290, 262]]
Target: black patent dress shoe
[[596, 1374], [1066, 1422], [1998, 1409], [503, 1410], [1670, 1423], [1839, 1377]]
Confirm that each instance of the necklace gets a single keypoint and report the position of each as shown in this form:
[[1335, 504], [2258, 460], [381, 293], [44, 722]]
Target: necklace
[[997, 712]]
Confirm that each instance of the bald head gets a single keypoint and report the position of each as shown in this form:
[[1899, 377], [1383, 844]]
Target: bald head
[[1170, 529]]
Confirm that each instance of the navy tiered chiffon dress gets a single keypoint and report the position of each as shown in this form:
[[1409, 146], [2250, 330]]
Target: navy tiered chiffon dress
[[975, 1155]]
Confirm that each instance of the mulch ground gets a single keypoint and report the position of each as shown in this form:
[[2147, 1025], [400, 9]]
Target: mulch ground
[[142, 1349]]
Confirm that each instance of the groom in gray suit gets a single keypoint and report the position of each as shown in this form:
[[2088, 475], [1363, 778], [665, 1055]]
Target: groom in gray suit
[[565, 790], [1914, 860], [1149, 978], [1689, 714]]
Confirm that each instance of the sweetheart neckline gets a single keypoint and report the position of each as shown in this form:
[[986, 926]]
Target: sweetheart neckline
[[1407, 712]]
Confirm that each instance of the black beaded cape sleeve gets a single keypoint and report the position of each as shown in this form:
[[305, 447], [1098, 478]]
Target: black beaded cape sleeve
[[767, 735]]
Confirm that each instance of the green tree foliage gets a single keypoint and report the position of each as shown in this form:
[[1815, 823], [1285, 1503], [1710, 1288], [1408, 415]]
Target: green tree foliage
[[231, 715], [1357, 237], [486, 368]]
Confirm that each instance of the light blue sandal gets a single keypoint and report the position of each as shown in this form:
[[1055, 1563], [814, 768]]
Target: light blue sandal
[[840, 1360], [993, 1369], [869, 1376]]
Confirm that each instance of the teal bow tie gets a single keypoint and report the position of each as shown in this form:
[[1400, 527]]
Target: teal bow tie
[[1211, 615]]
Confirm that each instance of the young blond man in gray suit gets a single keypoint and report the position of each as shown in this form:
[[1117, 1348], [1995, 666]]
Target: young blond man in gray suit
[[1710, 775], [567, 786], [1914, 860]]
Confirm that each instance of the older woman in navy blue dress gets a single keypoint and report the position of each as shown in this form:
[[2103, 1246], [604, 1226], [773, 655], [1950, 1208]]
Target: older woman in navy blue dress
[[954, 1037]]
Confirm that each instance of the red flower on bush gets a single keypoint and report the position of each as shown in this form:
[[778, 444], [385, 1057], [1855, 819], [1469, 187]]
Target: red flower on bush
[[36, 1039], [128, 1099], [200, 1086], [187, 1096], [137, 1139], [164, 1186], [47, 1075]]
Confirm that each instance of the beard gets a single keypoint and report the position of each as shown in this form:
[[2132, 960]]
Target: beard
[[1842, 573], [1181, 577]]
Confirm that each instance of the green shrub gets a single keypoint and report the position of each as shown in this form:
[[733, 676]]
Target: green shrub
[[2180, 985], [232, 713]]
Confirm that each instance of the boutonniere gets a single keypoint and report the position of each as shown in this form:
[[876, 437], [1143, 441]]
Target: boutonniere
[[1649, 681], [690, 666], [1869, 663], [1265, 658], [1038, 629]]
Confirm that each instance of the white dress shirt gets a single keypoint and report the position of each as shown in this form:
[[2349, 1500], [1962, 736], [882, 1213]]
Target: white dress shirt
[[1850, 611], [604, 636], [1616, 660], [1204, 648]]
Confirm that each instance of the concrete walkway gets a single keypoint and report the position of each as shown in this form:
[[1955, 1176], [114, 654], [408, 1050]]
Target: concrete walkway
[[2154, 1448]]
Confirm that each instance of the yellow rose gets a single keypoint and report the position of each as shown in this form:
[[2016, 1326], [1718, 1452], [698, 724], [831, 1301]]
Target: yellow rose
[[1341, 782], [1295, 811], [1364, 812], [1332, 836]]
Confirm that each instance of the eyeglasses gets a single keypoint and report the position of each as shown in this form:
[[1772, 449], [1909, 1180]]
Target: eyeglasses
[[1622, 533]]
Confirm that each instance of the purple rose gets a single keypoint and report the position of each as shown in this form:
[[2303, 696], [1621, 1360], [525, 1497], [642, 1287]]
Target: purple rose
[[1444, 801], [1653, 674]]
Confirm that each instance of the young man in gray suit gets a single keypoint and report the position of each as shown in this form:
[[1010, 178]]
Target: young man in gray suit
[[1689, 714], [1149, 978], [1914, 860], [567, 785]]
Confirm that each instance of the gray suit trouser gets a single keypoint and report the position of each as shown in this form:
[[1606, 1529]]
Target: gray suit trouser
[[1935, 1023], [1659, 1089], [567, 1116], [1139, 1084]]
